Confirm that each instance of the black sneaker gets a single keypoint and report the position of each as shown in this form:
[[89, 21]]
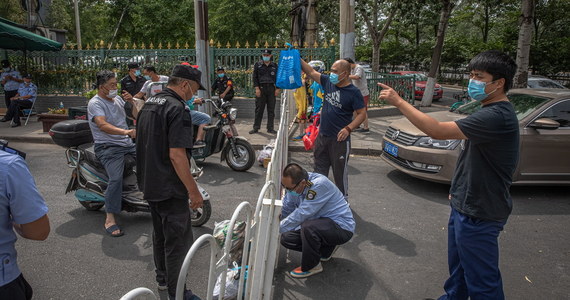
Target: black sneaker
[[3, 120], [15, 125], [271, 131], [199, 144], [253, 131]]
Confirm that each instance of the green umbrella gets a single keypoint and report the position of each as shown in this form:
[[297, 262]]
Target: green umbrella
[[16, 38]]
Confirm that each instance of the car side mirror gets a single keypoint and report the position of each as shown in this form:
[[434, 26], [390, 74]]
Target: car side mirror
[[544, 123]]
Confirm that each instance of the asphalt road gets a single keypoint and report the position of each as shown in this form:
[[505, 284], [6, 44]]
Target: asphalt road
[[398, 251]]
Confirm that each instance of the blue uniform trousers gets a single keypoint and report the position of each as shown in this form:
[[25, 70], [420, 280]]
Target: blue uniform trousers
[[473, 257]]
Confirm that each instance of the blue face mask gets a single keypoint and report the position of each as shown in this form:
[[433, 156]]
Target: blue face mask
[[293, 193], [138, 73], [146, 77], [221, 75], [476, 90], [334, 78], [190, 102], [266, 58]]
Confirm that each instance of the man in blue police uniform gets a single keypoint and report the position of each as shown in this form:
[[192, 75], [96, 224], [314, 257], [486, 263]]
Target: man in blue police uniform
[[315, 218], [479, 194], [264, 78], [24, 98], [22, 210], [223, 85], [10, 80]]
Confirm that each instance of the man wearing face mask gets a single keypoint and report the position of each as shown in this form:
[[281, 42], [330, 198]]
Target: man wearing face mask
[[223, 85], [315, 218], [342, 100], [113, 141], [264, 78], [479, 194], [149, 73], [24, 98], [10, 80], [164, 146], [132, 83]]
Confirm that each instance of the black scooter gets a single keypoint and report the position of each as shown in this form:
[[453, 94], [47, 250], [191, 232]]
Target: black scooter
[[223, 136], [89, 179]]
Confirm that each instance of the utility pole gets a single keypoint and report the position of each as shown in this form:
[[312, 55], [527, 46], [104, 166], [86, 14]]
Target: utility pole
[[347, 28], [201, 26], [311, 27], [77, 27]]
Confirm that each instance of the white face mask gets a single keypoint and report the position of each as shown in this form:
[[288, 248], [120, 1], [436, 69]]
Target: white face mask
[[112, 94]]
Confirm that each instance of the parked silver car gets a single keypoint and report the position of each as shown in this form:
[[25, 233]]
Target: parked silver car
[[544, 124]]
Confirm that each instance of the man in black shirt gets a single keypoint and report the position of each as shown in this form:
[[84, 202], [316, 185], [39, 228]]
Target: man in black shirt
[[164, 146], [264, 78], [223, 85], [132, 84], [479, 194]]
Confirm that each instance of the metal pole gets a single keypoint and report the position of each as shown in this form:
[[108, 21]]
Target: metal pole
[[347, 35], [201, 26], [77, 27]]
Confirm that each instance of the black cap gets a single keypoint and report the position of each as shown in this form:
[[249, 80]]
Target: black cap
[[349, 60], [5, 63], [220, 68], [133, 65], [28, 76], [266, 51], [187, 72]]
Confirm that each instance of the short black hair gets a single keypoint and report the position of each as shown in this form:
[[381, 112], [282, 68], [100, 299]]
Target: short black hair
[[150, 68], [295, 172], [104, 76], [348, 59], [496, 63]]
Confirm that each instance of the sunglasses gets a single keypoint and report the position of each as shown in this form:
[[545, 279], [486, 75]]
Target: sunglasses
[[293, 187]]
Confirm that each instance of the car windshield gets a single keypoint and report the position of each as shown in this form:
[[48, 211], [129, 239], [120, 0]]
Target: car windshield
[[544, 83], [523, 104]]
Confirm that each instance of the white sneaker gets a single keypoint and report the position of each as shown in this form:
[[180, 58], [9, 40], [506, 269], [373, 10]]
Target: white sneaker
[[298, 273]]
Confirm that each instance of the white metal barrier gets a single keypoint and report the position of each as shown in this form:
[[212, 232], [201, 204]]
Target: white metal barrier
[[141, 291], [261, 246]]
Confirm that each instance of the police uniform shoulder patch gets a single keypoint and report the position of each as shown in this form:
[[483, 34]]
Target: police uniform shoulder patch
[[311, 195]]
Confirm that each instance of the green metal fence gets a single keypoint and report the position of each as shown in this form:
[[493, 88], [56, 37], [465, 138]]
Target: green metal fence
[[72, 72], [404, 85]]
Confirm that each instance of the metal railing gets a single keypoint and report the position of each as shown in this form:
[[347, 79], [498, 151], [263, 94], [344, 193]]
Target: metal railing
[[403, 84], [72, 72]]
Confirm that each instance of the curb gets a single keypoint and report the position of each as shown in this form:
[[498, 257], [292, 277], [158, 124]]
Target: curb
[[292, 148]]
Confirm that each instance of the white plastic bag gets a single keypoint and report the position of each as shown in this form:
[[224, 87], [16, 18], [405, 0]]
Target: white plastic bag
[[232, 285]]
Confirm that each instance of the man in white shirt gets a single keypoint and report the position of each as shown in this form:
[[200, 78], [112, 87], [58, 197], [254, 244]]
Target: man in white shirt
[[150, 75], [359, 80]]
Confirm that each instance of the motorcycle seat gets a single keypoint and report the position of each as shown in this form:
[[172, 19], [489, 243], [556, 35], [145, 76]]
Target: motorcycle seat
[[91, 158]]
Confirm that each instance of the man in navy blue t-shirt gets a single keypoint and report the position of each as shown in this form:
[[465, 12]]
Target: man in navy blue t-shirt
[[479, 195], [342, 99]]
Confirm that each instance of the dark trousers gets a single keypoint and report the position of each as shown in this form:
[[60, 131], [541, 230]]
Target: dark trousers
[[316, 238], [17, 289], [14, 109], [171, 239], [113, 159], [8, 95], [267, 98], [473, 257], [328, 152]]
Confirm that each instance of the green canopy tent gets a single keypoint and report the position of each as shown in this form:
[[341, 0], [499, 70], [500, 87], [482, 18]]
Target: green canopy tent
[[15, 38]]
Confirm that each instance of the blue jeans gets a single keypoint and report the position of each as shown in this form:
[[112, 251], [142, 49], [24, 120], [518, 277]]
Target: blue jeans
[[113, 159], [199, 118], [473, 257]]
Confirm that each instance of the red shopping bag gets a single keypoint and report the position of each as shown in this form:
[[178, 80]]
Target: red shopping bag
[[311, 134]]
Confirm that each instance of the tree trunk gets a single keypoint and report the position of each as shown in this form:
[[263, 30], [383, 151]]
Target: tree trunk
[[486, 28], [443, 20], [523, 46], [375, 57]]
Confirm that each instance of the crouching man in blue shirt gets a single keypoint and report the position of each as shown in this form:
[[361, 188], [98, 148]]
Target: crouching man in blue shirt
[[315, 218]]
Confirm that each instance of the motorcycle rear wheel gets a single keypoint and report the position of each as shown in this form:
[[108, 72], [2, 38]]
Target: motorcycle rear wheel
[[201, 215]]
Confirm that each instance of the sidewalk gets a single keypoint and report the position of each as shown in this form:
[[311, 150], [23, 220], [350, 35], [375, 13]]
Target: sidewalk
[[362, 143]]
